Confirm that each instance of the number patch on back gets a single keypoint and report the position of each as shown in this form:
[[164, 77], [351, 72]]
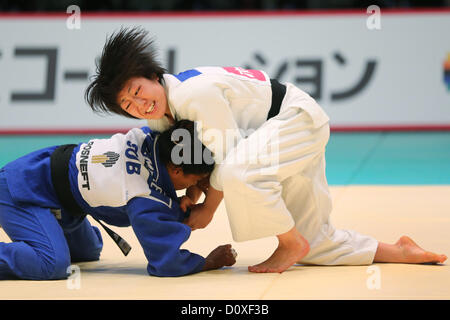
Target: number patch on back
[[249, 73]]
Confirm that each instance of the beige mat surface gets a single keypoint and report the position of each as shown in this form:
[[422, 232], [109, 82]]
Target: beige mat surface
[[385, 212]]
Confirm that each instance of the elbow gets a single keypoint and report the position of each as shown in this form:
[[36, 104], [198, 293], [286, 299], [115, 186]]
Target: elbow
[[162, 274], [168, 272]]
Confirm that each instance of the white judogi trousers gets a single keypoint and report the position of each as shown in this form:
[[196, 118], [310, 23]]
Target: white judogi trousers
[[275, 179]]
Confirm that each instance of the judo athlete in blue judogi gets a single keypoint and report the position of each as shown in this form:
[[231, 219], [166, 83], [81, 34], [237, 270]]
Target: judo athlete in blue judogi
[[129, 179]]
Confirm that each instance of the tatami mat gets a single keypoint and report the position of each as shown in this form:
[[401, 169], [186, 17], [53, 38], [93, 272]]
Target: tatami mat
[[383, 184], [385, 212]]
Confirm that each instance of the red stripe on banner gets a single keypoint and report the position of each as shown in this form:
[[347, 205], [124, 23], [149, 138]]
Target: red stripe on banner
[[221, 14], [444, 127]]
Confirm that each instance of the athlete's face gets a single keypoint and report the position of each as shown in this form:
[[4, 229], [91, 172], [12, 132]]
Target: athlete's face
[[182, 181], [143, 98]]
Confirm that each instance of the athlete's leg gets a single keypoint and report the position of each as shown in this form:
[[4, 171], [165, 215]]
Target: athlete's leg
[[253, 192], [85, 242], [38, 250], [292, 247]]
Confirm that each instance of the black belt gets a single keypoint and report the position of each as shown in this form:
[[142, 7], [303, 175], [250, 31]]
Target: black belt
[[278, 93], [59, 167]]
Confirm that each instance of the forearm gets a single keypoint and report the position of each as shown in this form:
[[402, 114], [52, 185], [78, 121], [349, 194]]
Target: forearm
[[209, 265], [213, 199], [202, 213]]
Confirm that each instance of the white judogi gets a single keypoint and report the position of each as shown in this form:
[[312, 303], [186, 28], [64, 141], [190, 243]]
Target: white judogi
[[273, 176]]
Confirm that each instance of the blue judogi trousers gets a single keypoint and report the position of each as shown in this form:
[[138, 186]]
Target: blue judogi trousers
[[42, 246]]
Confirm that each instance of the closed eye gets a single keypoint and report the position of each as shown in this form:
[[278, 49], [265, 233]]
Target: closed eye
[[137, 91], [128, 106]]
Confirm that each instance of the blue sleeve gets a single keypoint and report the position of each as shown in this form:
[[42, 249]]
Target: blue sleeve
[[161, 236]]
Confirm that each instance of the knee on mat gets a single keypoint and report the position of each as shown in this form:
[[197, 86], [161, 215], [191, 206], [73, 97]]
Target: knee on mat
[[91, 250], [55, 268], [99, 245]]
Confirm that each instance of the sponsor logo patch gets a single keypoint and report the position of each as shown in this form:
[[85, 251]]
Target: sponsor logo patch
[[108, 159]]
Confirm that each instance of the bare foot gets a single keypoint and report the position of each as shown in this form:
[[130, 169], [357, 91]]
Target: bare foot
[[412, 253], [292, 248]]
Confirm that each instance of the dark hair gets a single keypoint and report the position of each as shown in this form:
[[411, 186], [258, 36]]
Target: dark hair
[[126, 54], [173, 141]]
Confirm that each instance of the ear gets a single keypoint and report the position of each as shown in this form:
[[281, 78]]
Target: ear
[[175, 170], [155, 77]]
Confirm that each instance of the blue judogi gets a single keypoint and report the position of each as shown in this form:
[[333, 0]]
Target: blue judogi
[[119, 181]]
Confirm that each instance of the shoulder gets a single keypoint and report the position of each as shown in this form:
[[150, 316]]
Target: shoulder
[[193, 80], [200, 90]]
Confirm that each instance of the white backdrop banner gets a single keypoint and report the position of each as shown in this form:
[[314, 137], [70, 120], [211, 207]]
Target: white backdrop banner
[[366, 70]]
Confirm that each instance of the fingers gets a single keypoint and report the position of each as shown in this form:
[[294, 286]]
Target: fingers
[[221, 256], [230, 255], [203, 184], [186, 203]]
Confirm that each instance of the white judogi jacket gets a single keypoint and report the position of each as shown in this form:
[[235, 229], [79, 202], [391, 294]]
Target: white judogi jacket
[[227, 102], [266, 198]]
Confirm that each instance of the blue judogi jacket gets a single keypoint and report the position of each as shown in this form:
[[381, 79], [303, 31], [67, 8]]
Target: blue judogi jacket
[[121, 182]]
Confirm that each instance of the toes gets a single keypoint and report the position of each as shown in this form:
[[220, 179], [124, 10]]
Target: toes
[[434, 258], [276, 270], [264, 269], [257, 269], [253, 268]]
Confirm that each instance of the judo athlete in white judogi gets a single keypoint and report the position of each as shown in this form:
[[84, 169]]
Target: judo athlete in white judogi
[[126, 180], [271, 175]]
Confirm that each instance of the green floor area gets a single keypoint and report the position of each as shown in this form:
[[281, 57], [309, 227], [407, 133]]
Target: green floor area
[[393, 158]]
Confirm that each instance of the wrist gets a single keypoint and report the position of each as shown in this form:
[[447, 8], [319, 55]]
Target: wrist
[[209, 265]]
